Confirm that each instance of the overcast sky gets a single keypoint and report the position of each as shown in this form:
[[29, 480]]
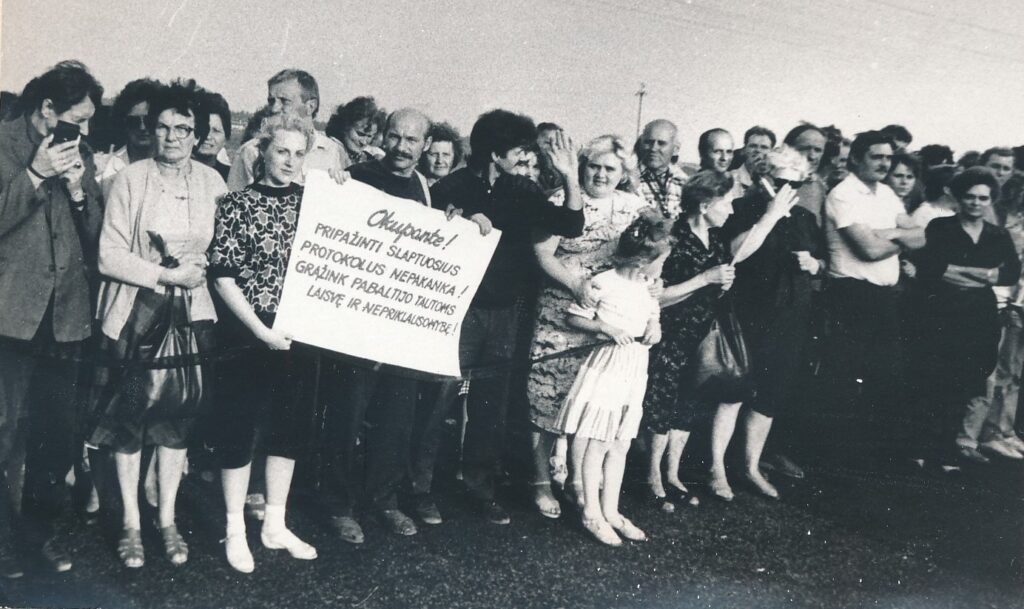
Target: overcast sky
[[951, 71]]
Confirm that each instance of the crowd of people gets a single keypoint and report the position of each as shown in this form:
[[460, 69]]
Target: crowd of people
[[698, 295]]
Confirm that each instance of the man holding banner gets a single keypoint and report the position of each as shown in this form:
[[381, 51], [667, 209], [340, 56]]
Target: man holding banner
[[355, 387], [489, 194]]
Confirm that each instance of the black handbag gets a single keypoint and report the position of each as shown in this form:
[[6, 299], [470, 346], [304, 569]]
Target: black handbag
[[721, 370]]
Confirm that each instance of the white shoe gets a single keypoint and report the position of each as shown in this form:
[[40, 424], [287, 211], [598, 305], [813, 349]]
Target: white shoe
[[283, 539], [237, 549], [1001, 448], [1015, 443]]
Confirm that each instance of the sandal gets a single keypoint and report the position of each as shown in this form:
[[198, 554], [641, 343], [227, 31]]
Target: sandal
[[628, 530], [547, 505], [762, 486], [129, 549], [602, 531], [174, 545]]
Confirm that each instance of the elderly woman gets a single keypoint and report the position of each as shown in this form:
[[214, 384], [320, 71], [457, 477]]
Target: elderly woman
[[211, 151], [697, 271], [158, 224], [354, 125], [963, 258], [772, 298], [606, 174], [271, 391]]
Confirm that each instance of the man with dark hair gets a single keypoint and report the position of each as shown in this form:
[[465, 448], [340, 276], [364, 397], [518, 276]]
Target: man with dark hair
[[51, 210], [757, 143], [488, 193], [866, 228], [933, 155], [128, 118], [715, 149], [444, 153], [391, 393], [1001, 161], [661, 181], [900, 136], [295, 91]]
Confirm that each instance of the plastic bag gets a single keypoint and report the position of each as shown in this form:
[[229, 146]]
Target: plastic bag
[[721, 370]]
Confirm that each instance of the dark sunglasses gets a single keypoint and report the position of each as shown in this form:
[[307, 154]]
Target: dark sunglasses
[[779, 183]]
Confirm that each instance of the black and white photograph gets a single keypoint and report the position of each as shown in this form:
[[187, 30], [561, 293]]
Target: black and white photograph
[[544, 304]]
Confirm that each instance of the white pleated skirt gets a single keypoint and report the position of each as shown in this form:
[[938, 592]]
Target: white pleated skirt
[[606, 399]]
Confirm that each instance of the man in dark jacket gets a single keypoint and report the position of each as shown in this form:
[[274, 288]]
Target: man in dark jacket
[[50, 216], [490, 194]]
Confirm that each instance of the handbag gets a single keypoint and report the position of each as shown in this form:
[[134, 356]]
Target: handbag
[[177, 389], [721, 370]]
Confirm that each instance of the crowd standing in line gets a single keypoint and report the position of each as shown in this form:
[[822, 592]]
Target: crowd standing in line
[[905, 265]]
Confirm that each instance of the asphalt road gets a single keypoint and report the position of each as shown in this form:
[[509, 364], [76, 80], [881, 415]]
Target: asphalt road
[[851, 534]]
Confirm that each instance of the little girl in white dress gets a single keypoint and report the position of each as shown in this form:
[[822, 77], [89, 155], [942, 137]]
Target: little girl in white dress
[[604, 407]]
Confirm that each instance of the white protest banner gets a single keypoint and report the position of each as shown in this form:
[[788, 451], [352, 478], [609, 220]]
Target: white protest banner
[[379, 277]]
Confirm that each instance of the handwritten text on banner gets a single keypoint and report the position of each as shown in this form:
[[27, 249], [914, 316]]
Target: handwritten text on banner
[[379, 277]]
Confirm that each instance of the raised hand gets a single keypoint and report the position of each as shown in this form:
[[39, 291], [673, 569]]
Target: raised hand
[[562, 155], [49, 162]]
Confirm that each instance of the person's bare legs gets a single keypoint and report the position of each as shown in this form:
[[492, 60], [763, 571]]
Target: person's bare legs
[[578, 455], [235, 484], [542, 442], [659, 442], [614, 470], [757, 427], [275, 534], [722, 428], [150, 484], [677, 439], [128, 466], [170, 466], [594, 454]]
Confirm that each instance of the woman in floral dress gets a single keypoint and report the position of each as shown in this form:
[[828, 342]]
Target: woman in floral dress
[[606, 171]]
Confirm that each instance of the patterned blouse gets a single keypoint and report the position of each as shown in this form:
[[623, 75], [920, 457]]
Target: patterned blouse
[[255, 228]]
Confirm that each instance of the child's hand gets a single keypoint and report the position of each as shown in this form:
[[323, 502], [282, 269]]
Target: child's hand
[[586, 293], [620, 336], [652, 335]]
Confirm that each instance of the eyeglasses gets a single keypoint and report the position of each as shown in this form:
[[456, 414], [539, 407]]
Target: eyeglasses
[[180, 131], [135, 123]]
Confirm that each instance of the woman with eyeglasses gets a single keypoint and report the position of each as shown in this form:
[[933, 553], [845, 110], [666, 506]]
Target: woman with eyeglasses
[[963, 258], [772, 298], [158, 224]]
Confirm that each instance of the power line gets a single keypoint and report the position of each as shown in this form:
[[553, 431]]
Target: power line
[[937, 17]]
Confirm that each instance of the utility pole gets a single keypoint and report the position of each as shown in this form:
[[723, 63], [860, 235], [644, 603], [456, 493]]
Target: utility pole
[[640, 106]]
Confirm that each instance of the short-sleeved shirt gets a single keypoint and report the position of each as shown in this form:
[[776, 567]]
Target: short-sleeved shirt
[[853, 202], [253, 237]]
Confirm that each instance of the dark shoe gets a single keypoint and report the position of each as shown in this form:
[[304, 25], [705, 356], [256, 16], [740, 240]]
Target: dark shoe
[[10, 566], [966, 453], [785, 466], [662, 503], [348, 529], [427, 510], [397, 522], [681, 497], [56, 556], [492, 511]]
